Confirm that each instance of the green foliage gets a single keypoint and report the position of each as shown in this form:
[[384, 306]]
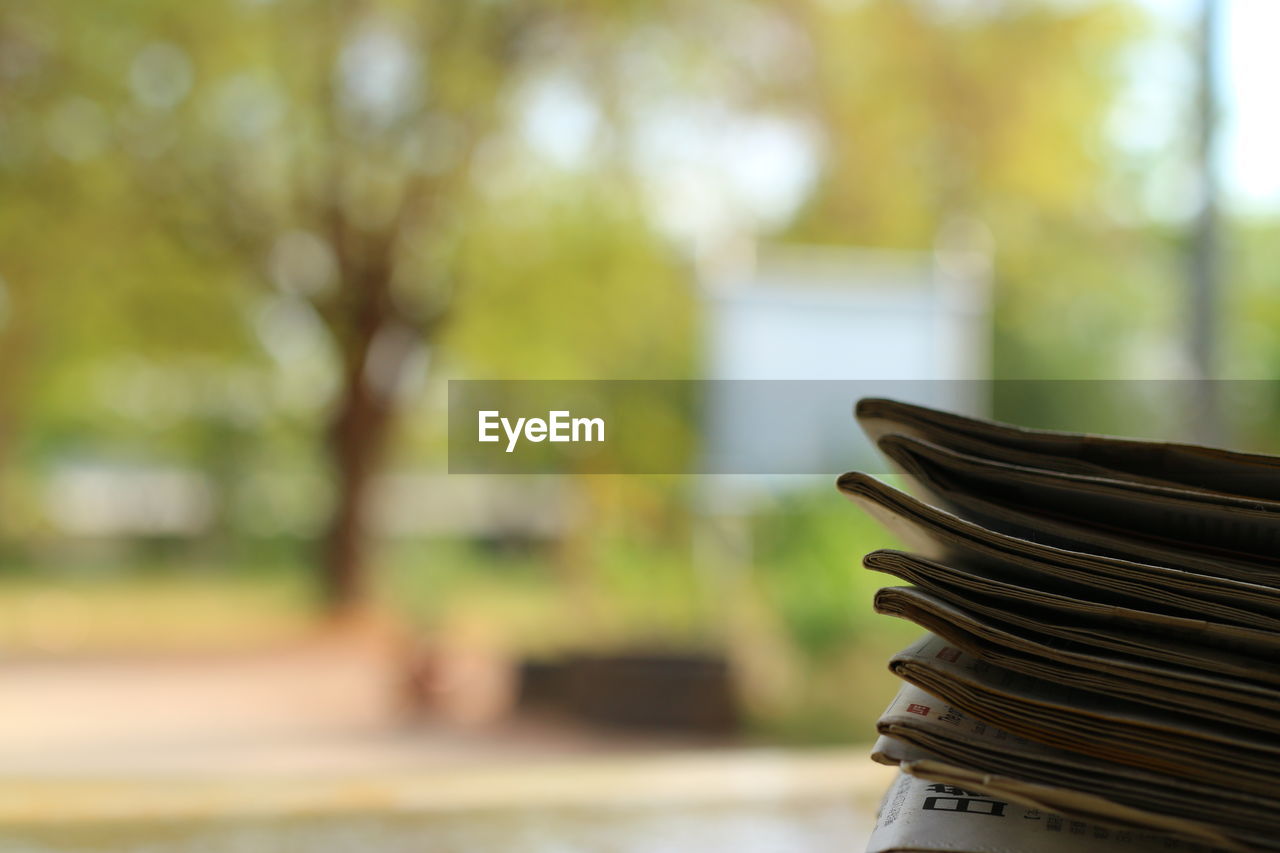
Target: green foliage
[[992, 114], [808, 553], [170, 172], [565, 280], [998, 117]]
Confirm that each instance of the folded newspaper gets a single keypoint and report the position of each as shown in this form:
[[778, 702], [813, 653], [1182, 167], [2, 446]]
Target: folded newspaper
[[1102, 664]]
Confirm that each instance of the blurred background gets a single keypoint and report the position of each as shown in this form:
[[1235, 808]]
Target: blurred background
[[247, 242]]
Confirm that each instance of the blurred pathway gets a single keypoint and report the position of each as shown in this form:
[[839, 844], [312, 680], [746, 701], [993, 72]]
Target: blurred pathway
[[308, 748]]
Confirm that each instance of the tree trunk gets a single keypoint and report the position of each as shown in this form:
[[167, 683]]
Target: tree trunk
[[375, 339], [357, 438]]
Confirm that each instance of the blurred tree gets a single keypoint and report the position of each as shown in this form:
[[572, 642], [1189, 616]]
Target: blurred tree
[[996, 115], [346, 159], [328, 153], [931, 121], [334, 151]]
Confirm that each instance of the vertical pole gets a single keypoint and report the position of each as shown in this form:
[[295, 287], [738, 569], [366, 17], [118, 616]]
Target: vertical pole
[[1202, 306]]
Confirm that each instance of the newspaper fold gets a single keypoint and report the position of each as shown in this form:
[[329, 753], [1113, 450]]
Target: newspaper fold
[[1203, 469], [1104, 646], [918, 726]]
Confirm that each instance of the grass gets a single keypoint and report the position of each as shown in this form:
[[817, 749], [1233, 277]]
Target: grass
[[151, 611]]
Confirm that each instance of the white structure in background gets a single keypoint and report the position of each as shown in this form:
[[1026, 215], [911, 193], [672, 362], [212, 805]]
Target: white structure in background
[[802, 312], [102, 501], [88, 501], [885, 323]]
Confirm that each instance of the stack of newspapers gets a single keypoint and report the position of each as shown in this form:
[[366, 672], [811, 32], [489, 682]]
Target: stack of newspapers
[[1102, 664]]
